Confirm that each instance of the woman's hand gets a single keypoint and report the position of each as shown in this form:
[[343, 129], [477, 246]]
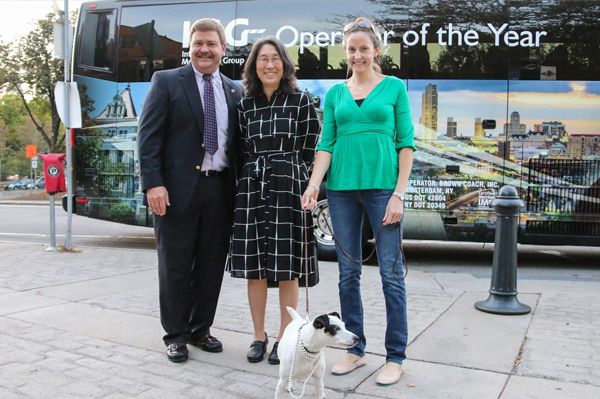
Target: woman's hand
[[309, 198], [393, 211]]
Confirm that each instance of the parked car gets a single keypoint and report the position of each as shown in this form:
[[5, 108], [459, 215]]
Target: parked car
[[11, 186], [22, 184], [40, 182]]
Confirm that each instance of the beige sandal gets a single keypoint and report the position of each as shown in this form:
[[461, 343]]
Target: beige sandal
[[347, 364], [389, 374]]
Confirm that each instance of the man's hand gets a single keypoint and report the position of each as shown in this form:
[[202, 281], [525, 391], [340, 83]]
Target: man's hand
[[158, 200]]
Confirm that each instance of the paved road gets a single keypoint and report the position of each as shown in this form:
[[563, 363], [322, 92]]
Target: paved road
[[30, 223]]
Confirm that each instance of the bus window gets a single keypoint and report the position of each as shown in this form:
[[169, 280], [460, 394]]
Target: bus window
[[459, 41], [569, 48], [97, 40], [155, 37], [313, 34]]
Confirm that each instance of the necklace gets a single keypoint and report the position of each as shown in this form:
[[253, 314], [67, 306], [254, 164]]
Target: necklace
[[308, 355]]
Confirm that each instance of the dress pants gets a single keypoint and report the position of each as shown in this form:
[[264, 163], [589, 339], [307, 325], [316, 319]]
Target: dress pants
[[192, 248]]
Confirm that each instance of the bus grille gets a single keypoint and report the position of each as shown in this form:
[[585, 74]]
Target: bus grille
[[567, 228], [560, 172], [566, 186]]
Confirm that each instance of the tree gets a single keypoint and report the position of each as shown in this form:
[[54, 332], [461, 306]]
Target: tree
[[29, 69], [12, 115]]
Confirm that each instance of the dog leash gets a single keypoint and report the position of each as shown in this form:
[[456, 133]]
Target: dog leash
[[361, 261], [306, 260], [310, 356]]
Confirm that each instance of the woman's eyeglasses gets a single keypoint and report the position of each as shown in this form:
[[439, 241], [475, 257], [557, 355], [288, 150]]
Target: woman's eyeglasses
[[362, 24], [265, 60]]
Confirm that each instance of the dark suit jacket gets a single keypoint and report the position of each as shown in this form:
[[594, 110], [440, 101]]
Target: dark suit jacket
[[170, 135]]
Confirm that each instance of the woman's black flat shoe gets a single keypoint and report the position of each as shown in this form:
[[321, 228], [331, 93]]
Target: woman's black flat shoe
[[273, 357], [257, 350]]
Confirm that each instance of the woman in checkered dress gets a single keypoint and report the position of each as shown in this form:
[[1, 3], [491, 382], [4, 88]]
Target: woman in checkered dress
[[271, 239]]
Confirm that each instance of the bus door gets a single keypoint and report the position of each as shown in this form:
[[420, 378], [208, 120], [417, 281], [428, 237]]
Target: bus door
[[94, 71]]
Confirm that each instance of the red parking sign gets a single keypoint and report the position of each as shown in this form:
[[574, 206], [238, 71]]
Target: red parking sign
[[30, 150]]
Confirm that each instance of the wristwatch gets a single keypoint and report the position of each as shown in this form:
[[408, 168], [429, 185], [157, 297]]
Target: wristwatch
[[399, 195]]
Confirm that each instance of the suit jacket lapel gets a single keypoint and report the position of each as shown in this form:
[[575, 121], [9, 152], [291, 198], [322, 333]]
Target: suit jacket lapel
[[190, 89], [232, 98], [229, 92]]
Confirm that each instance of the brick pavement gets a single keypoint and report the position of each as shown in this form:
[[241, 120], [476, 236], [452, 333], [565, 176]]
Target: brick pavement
[[41, 358]]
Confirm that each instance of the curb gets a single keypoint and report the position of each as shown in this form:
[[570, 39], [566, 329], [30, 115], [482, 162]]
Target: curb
[[29, 202]]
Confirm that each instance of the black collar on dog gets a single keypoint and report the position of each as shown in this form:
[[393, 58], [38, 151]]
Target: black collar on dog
[[302, 348], [312, 353]]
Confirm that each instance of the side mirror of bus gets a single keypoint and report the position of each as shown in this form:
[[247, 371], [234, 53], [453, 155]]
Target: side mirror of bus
[[488, 123], [73, 202]]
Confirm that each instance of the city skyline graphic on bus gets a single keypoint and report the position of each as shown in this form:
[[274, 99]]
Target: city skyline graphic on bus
[[461, 161], [573, 104]]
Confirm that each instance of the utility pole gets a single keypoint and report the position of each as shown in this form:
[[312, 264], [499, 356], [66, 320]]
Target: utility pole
[[69, 175]]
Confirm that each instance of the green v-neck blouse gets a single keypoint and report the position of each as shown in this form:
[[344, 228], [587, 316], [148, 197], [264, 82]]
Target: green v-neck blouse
[[364, 140]]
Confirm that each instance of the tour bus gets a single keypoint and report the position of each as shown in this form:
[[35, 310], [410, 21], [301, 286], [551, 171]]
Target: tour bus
[[501, 93]]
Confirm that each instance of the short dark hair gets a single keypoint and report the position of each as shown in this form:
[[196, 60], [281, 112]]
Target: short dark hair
[[253, 85]]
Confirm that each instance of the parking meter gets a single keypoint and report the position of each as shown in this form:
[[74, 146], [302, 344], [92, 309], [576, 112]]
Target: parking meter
[[54, 173]]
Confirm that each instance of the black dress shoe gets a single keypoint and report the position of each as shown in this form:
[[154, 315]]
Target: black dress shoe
[[177, 352], [207, 343], [273, 357], [257, 350]]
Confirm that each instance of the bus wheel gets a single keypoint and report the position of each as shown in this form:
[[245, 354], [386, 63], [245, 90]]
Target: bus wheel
[[322, 231], [324, 235]]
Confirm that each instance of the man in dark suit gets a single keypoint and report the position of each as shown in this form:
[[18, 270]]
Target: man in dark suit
[[187, 147]]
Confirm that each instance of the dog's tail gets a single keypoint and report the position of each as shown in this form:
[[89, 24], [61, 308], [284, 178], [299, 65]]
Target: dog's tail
[[294, 314]]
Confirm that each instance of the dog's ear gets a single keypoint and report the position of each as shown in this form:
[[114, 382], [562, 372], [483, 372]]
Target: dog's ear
[[336, 314], [321, 321]]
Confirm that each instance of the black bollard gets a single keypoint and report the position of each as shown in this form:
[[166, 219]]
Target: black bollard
[[503, 289]]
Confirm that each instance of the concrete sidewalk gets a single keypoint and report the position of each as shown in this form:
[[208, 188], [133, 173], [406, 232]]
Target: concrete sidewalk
[[86, 325]]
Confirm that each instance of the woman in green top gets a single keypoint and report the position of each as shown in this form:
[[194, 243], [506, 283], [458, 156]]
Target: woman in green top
[[367, 149]]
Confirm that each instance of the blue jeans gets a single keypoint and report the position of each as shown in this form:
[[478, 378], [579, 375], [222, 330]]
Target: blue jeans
[[347, 209]]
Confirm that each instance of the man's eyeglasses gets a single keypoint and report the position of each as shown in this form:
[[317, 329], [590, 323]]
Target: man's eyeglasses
[[362, 24]]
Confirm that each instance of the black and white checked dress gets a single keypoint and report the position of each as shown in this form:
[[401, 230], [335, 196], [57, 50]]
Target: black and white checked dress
[[278, 139]]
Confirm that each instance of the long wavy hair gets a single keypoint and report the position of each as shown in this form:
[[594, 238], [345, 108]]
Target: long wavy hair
[[253, 85]]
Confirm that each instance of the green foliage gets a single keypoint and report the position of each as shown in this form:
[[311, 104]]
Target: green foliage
[[120, 212], [38, 67], [40, 108], [88, 150], [12, 112], [14, 163], [29, 69]]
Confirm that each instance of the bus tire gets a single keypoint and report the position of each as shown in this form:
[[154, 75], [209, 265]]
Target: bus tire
[[323, 235], [326, 252]]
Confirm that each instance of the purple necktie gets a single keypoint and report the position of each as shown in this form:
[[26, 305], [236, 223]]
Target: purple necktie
[[211, 143]]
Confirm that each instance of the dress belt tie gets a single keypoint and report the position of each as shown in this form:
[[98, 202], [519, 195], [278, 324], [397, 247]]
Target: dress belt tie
[[261, 168]]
